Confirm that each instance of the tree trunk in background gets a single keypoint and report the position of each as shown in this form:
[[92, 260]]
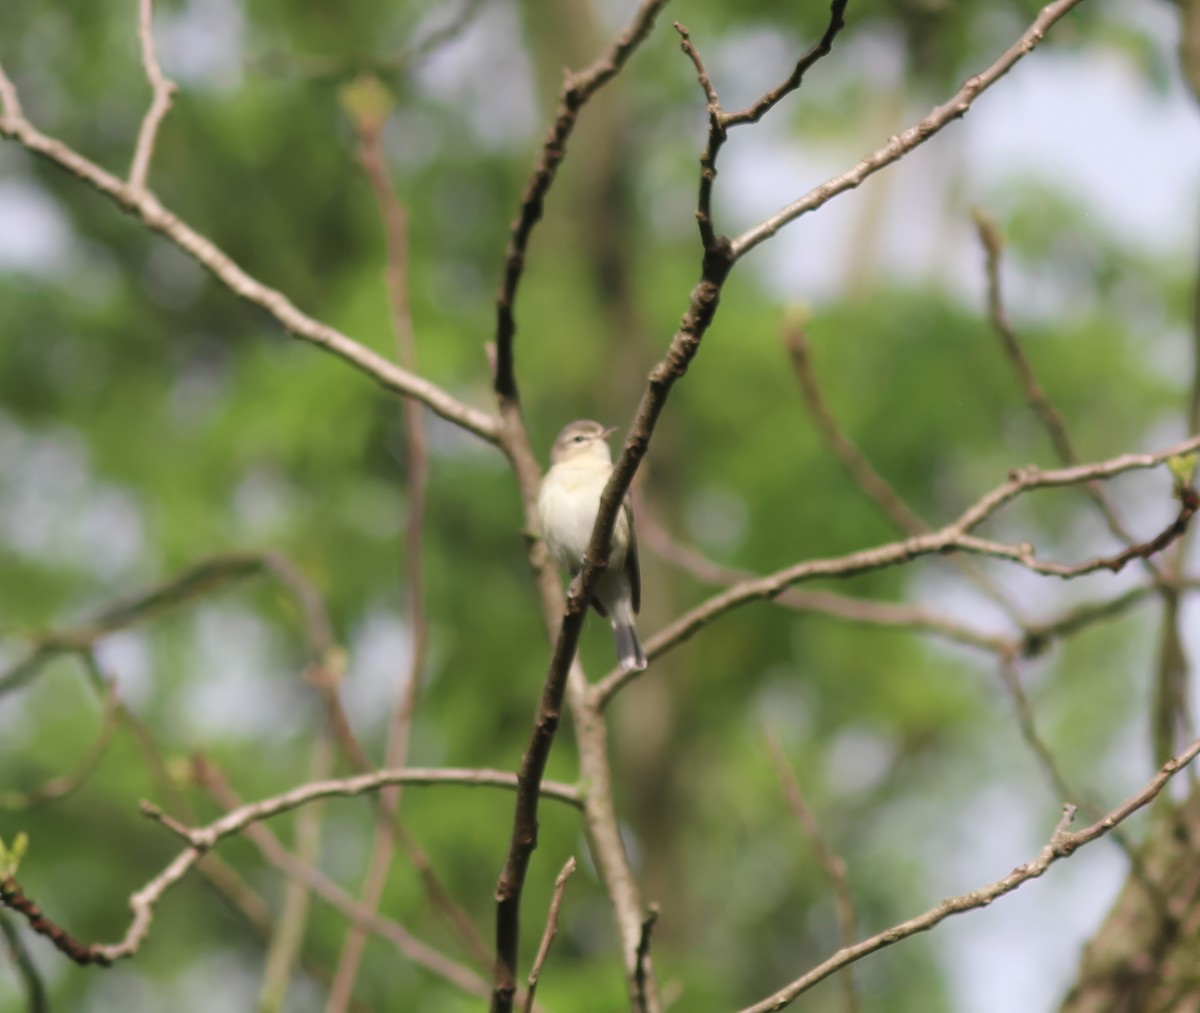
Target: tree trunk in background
[[1145, 958]]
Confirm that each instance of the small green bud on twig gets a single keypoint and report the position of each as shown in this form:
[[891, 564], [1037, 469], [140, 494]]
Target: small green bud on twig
[[11, 855], [1182, 470]]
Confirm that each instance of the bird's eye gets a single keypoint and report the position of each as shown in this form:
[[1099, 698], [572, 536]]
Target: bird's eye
[[579, 438]]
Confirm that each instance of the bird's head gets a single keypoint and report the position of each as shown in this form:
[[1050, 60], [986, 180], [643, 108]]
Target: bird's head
[[580, 439]]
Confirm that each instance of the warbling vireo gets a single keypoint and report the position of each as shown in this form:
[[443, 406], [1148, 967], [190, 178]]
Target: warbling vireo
[[567, 505]]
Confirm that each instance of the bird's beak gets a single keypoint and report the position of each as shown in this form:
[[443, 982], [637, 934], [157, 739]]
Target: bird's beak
[[608, 432]]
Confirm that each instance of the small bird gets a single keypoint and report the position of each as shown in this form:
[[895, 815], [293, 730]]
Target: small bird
[[580, 464]]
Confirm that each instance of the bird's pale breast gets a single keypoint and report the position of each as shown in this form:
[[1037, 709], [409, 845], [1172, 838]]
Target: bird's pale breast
[[567, 506]]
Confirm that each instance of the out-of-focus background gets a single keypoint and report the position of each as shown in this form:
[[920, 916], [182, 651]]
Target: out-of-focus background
[[149, 419]]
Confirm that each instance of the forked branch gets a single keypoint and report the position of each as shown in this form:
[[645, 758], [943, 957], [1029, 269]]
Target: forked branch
[[914, 136], [161, 87], [955, 537], [140, 202]]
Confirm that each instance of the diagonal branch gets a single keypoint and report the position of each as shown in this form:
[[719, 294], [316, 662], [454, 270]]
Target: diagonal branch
[[907, 140], [993, 244], [533, 763], [440, 36], [863, 473], [161, 87], [1037, 637], [1063, 844], [853, 460], [35, 988], [395, 226], [64, 784], [273, 850], [954, 537], [1170, 708], [15, 899], [720, 121], [187, 585], [577, 89], [768, 100], [143, 204], [888, 614], [543, 951], [202, 839], [832, 864], [1011, 679]]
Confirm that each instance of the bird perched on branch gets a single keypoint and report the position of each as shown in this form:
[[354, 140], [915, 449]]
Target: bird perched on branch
[[581, 463]]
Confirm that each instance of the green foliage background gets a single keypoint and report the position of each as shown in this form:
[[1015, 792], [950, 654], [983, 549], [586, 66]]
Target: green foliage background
[[149, 419]]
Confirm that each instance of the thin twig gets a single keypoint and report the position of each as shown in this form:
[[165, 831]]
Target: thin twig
[[891, 615], [832, 864], [440, 36], [35, 989], [1011, 680], [202, 839], [954, 537], [1041, 634], [993, 244], [14, 898], [720, 121], [904, 142], [863, 473], [161, 86], [146, 207], [548, 934], [712, 148], [1036, 639], [287, 935], [1010, 677], [1062, 844], [64, 784], [642, 1001], [326, 67], [395, 933], [223, 877], [577, 89], [395, 226], [853, 460], [196, 580], [206, 837], [325, 673], [768, 100]]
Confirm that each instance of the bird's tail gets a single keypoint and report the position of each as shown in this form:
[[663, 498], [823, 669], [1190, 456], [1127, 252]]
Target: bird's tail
[[629, 649]]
